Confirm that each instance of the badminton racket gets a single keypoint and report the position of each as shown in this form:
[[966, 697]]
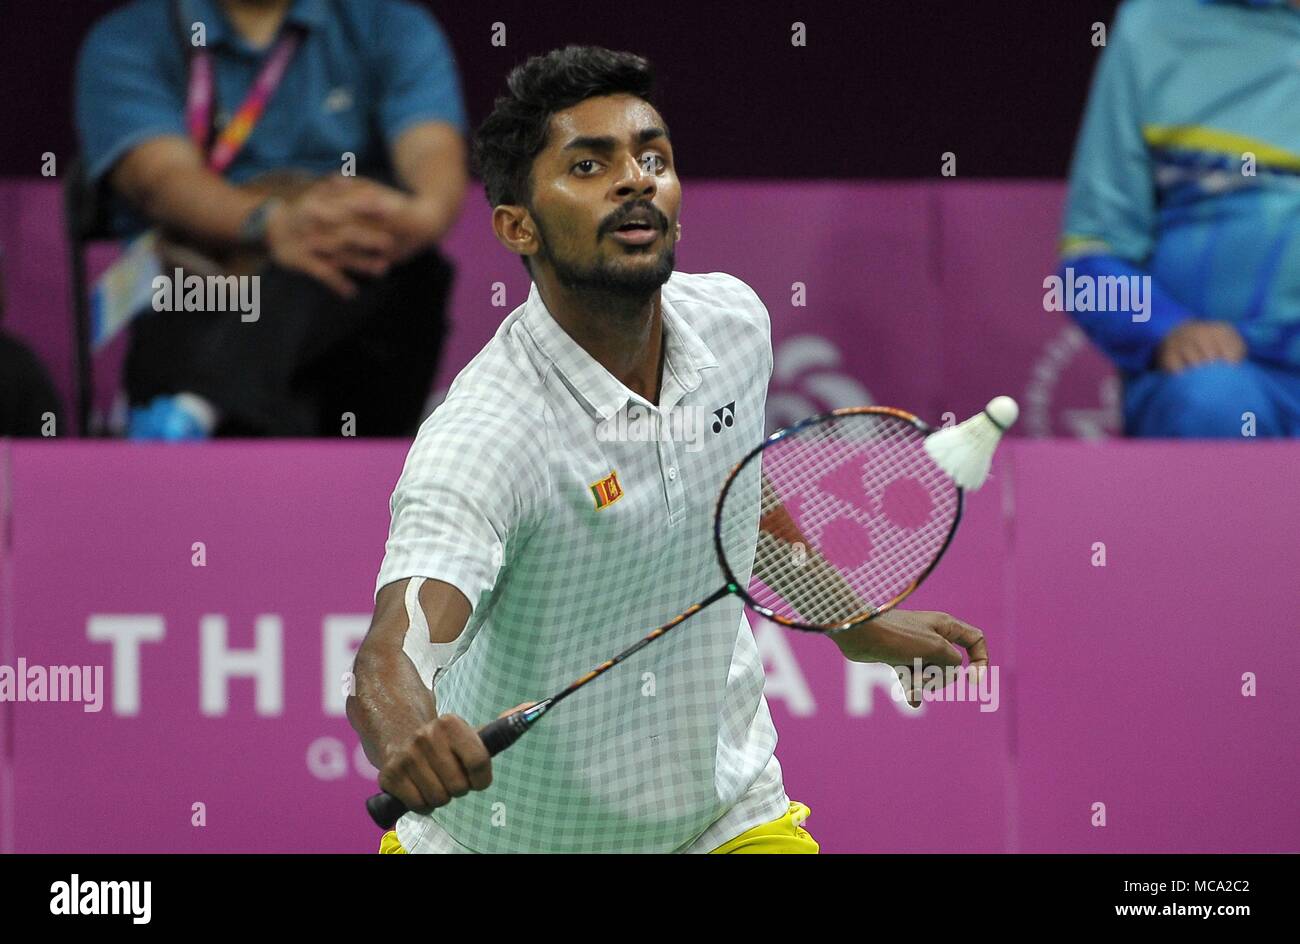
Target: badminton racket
[[822, 526]]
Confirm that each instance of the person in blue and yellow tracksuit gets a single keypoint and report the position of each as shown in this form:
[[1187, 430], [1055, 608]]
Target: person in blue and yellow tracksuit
[[1187, 171]]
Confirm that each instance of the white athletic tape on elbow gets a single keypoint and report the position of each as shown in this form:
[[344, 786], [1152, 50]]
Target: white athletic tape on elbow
[[427, 656]]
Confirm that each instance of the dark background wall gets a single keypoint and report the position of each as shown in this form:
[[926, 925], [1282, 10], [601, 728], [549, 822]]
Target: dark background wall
[[882, 89]]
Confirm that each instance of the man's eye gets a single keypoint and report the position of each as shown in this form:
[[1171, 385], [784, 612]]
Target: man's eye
[[590, 165], [653, 163]]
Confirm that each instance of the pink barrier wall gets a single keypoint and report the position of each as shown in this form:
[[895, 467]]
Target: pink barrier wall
[[1128, 678], [6, 658], [923, 294], [1119, 685]]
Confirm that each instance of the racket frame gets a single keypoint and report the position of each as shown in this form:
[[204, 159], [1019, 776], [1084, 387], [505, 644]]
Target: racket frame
[[742, 591]]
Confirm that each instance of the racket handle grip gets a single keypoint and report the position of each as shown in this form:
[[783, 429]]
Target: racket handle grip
[[386, 809], [499, 734]]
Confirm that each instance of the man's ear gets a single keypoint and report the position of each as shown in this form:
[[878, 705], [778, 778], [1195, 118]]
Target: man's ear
[[515, 229]]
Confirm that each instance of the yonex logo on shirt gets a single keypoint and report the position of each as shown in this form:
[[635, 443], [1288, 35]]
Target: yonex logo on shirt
[[726, 416]]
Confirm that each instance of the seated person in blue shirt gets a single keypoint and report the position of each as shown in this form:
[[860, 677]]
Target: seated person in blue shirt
[[330, 161], [1187, 171]]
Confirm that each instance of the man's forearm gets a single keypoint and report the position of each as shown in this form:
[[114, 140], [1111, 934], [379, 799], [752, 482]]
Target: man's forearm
[[390, 702], [436, 211], [166, 181], [430, 160], [1128, 336]]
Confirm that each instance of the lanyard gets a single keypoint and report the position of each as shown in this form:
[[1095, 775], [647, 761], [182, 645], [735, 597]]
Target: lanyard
[[201, 93]]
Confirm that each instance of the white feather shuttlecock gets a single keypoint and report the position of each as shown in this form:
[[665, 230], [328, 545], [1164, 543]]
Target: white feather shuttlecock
[[965, 451]]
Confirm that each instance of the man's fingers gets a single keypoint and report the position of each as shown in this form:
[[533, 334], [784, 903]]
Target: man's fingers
[[321, 216], [363, 250], [337, 183], [1213, 346], [353, 237], [519, 707], [1231, 346], [1210, 341], [947, 656], [946, 653], [374, 200], [470, 752], [966, 636], [361, 263], [444, 760], [446, 765], [414, 770], [376, 207], [325, 272], [405, 790], [1238, 345], [428, 780], [1171, 356], [1196, 351], [368, 239], [910, 684], [973, 641]]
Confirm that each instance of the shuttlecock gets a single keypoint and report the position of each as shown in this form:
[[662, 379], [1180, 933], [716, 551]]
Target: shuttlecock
[[965, 451]]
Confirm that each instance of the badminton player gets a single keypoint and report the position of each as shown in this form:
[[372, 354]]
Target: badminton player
[[535, 531]]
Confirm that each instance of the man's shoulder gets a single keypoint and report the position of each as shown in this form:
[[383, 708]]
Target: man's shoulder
[[376, 19], [136, 24], [715, 300], [501, 388], [1145, 21]]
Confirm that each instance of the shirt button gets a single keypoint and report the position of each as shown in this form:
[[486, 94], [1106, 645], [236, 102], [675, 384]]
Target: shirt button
[[672, 474]]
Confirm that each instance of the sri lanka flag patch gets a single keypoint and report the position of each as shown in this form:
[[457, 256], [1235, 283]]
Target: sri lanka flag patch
[[606, 491]]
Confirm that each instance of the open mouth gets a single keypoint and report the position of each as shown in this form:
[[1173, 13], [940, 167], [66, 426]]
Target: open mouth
[[636, 233]]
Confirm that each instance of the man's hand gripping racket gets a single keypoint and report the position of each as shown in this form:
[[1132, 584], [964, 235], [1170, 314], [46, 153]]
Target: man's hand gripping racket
[[824, 525]]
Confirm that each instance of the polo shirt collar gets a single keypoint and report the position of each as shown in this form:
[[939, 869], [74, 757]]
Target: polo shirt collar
[[601, 393]]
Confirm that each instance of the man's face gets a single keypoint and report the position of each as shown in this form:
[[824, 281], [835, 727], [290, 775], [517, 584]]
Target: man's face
[[606, 197]]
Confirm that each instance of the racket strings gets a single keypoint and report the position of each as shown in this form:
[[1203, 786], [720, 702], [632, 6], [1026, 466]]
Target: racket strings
[[851, 513]]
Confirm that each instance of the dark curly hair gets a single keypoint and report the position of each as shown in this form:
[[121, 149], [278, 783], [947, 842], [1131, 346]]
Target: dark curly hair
[[515, 133]]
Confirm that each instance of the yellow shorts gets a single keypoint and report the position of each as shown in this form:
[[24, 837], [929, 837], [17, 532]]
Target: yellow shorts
[[784, 835]]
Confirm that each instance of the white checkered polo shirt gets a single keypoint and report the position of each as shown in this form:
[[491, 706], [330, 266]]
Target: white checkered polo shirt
[[575, 516]]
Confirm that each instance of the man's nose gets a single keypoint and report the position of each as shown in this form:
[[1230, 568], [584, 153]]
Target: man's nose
[[636, 182]]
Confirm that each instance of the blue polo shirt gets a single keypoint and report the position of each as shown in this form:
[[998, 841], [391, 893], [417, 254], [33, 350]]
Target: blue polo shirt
[[1185, 90], [365, 71]]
